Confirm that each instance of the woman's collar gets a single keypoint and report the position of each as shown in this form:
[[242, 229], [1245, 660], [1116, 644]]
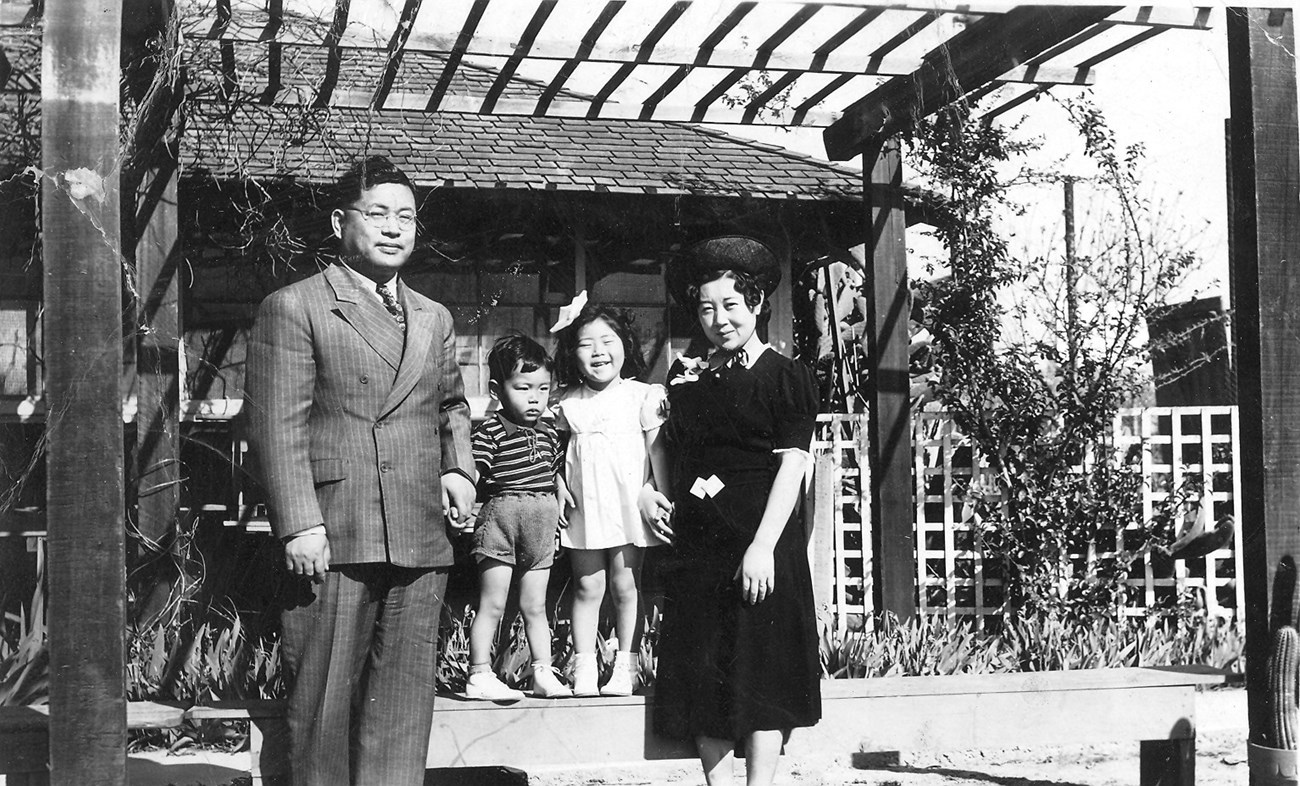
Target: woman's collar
[[747, 359]]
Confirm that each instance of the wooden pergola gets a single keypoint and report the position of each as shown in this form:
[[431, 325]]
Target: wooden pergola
[[859, 71]]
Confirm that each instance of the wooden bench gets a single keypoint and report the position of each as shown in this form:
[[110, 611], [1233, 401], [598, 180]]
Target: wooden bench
[[1155, 708], [24, 737]]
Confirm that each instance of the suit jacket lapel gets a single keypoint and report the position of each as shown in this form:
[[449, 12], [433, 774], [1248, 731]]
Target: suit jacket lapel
[[419, 338], [367, 316]]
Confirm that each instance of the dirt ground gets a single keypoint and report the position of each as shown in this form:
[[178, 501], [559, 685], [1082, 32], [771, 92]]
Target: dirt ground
[[1220, 761]]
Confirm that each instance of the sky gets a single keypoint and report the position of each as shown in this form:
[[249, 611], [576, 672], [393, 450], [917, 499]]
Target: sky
[[1168, 94]]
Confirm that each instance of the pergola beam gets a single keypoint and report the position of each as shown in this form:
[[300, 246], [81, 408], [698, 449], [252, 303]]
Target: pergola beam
[[597, 108], [333, 58], [832, 57], [589, 40], [456, 54], [507, 72], [977, 55], [503, 97], [396, 48]]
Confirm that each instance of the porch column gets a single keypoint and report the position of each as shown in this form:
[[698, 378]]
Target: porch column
[[1265, 238], [888, 301], [83, 340], [157, 457]]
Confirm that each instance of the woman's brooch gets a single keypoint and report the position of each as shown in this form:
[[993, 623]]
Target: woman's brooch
[[691, 369]]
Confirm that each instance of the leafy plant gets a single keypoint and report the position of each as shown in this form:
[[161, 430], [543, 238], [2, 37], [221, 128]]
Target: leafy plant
[[25, 655], [935, 645], [1056, 500]]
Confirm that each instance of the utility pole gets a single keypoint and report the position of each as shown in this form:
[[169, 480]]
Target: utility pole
[[80, 236], [1071, 281]]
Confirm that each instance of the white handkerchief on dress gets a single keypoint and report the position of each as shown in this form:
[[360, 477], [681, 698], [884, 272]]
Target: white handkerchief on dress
[[707, 488]]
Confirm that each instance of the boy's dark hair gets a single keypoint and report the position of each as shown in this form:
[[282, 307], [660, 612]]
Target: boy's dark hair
[[516, 350], [566, 365], [366, 174]]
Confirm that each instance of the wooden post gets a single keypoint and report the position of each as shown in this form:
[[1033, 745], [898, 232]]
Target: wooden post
[[157, 259], [1265, 236], [83, 341], [780, 326], [821, 541], [888, 385]]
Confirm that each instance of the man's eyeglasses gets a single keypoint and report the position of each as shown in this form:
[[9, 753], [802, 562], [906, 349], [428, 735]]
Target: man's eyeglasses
[[379, 218]]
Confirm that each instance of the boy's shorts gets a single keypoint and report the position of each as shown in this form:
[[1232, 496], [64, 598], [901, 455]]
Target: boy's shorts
[[518, 528]]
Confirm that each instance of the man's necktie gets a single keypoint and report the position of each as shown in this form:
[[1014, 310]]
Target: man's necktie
[[390, 303]]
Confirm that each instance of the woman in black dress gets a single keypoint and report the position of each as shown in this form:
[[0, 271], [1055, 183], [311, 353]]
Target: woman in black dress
[[738, 662]]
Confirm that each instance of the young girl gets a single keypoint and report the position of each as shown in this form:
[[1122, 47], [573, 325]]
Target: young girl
[[612, 457]]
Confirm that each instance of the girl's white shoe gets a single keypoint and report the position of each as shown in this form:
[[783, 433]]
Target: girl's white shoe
[[585, 674], [485, 686], [622, 679], [547, 684]]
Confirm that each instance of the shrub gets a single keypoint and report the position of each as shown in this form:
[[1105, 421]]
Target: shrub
[[936, 646]]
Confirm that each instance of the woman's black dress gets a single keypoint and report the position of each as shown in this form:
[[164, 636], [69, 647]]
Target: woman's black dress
[[726, 668]]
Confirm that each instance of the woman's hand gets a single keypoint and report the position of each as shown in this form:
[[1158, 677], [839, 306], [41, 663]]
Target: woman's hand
[[756, 574], [656, 511]]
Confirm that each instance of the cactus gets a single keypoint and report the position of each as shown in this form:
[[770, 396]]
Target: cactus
[[1282, 676], [1286, 596], [1284, 658]]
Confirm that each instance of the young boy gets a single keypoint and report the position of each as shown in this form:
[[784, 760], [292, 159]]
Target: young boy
[[517, 458]]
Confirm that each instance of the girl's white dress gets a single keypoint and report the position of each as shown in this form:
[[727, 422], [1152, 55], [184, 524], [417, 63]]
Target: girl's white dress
[[606, 463]]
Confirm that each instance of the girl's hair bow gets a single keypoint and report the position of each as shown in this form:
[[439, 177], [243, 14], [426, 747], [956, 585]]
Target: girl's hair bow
[[570, 312]]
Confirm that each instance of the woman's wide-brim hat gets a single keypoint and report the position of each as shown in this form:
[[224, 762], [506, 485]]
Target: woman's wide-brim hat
[[726, 252]]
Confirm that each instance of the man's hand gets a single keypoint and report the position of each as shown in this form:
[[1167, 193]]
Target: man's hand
[[308, 555], [458, 495]]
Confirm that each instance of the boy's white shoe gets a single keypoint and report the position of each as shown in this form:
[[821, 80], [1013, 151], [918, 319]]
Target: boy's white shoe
[[585, 674], [485, 686], [622, 678], [547, 684]]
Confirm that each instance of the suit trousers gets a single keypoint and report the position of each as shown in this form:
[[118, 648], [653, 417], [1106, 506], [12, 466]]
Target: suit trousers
[[360, 653]]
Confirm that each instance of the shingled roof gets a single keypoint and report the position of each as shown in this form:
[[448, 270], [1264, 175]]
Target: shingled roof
[[457, 150], [480, 151], [246, 138]]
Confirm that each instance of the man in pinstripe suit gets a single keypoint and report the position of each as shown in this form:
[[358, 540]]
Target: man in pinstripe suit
[[358, 418]]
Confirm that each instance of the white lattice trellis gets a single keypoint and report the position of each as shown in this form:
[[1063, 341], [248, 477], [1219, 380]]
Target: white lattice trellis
[[1171, 446], [844, 507]]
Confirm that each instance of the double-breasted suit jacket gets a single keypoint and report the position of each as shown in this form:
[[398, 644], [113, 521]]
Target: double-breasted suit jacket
[[354, 424]]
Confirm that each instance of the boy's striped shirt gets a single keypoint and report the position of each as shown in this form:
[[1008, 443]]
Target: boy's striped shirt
[[511, 457]]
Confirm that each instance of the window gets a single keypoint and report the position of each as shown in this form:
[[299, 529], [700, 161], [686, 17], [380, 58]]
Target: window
[[20, 342]]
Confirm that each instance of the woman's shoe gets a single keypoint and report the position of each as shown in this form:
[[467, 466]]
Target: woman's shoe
[[547, 684], [585, 675], [484, 686]]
